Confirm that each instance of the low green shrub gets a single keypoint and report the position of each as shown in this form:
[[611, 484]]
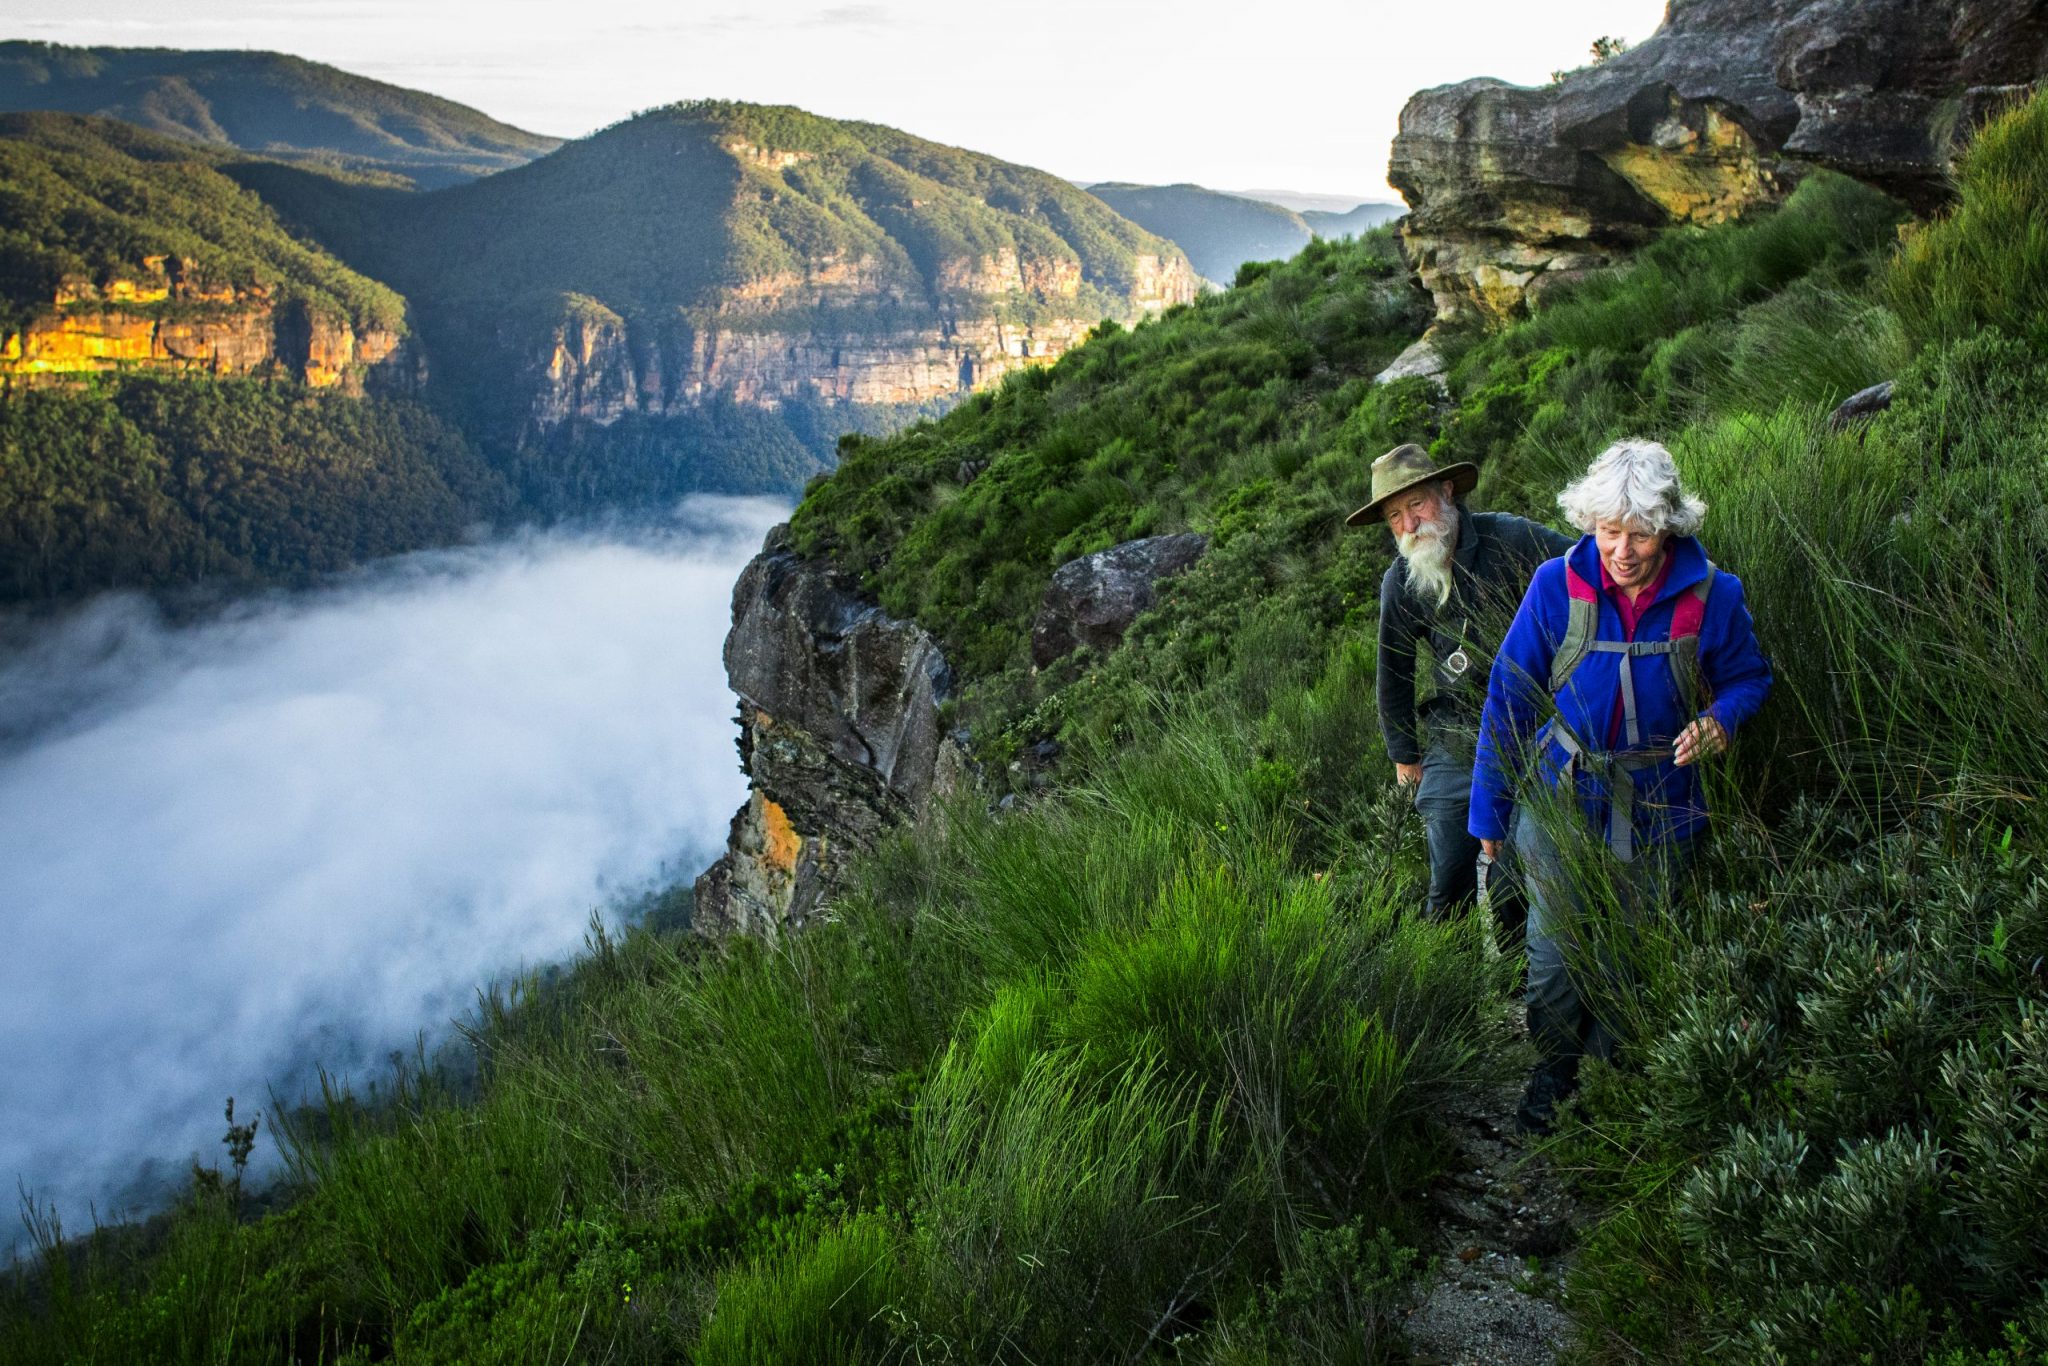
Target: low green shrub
[[1337, 1303], [1837, 1144]]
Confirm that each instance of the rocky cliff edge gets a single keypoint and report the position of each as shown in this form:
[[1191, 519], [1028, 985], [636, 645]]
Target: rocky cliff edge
[[840, 736]]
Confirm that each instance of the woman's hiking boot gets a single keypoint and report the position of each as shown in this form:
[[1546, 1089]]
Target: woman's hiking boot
[[1550, 1083]]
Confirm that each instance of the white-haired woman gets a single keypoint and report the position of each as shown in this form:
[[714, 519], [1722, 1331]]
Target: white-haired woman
[[1630, 659]]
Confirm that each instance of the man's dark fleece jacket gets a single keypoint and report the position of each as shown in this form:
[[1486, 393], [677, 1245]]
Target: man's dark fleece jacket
[[1490, 571]]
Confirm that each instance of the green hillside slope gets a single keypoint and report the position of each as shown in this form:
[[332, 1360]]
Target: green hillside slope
[[676, 207], [123, 465], [270, 103], [1219, 232], [156, 483]]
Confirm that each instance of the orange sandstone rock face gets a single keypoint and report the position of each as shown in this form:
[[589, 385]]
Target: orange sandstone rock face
[[766, 368], [163, 320], [781, 843]]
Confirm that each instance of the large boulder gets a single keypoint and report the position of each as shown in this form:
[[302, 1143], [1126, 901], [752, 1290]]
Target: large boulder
[[840, 737], [1093, 600], [1888, 90], [1515, 189]]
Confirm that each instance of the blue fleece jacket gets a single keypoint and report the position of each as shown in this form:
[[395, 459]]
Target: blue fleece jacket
[[1668, 802]]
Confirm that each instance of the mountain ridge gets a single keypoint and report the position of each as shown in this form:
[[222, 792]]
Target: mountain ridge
[[712, 252], [123, 249], [271, 103]]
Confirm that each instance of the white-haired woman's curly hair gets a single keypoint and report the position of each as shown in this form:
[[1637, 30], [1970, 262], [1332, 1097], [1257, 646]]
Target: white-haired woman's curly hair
[[1635, 483]]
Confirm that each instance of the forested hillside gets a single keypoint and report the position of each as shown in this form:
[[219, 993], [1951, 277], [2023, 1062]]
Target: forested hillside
[[706, 295], [87, 202], [240, 483], [185, 378], [268, 103], [1152, 1064]]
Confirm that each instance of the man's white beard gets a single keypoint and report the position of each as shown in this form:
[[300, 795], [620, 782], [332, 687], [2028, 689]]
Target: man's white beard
[[1429, 550]]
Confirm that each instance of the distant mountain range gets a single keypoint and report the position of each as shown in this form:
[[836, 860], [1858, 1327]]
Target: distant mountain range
[[270, 103], [1303, 201], [704, 296], [1363, 218], [1221, 231]]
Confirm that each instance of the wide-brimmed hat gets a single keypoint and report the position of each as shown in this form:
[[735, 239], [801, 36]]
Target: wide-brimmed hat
[[1401, 469]]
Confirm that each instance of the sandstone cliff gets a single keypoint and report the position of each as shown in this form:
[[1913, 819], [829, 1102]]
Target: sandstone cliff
[[1512, 189], [840, 737], [836, 333], [161, 318]]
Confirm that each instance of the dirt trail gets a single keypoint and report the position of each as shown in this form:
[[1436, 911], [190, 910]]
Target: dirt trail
[[1504, 1224]]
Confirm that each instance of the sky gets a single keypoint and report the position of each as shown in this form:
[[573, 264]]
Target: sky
[[1291, 94], [309, 829]]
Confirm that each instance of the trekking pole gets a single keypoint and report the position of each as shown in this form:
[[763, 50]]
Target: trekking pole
[[1483, 898]]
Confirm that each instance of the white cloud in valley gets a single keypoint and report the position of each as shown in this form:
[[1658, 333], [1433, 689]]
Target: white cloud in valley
[[1296, 93], [309, 829]]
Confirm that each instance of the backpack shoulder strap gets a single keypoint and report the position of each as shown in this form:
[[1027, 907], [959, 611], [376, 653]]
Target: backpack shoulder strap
[[1687, 614], [1581, 627], [1691, 610]]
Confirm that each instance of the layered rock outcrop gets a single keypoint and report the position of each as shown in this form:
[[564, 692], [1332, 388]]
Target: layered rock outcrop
[[842, 333], [162, 318], [1513, 189], [1093, 600], [840, 736]]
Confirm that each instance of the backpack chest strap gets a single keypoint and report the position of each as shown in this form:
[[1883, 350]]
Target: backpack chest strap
[[1629, 650]]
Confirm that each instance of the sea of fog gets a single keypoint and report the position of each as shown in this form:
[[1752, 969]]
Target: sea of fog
[[307, 830]]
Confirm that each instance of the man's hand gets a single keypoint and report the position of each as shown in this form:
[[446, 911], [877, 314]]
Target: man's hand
[[1490, 848], [1700, 740], [1407, 775]]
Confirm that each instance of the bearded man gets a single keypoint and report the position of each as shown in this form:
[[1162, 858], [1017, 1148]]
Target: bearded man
[[1454, 586]]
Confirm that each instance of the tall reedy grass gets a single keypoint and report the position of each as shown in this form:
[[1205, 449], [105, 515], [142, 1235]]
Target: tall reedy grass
[[1984, 264], [1898, 590]]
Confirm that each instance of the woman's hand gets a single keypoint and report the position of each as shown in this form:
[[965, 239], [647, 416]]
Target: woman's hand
[[1407, 775], [1490, 848], [1700, 740]]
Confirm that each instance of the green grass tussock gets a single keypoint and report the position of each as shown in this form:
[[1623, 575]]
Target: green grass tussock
[[829, 1301]]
